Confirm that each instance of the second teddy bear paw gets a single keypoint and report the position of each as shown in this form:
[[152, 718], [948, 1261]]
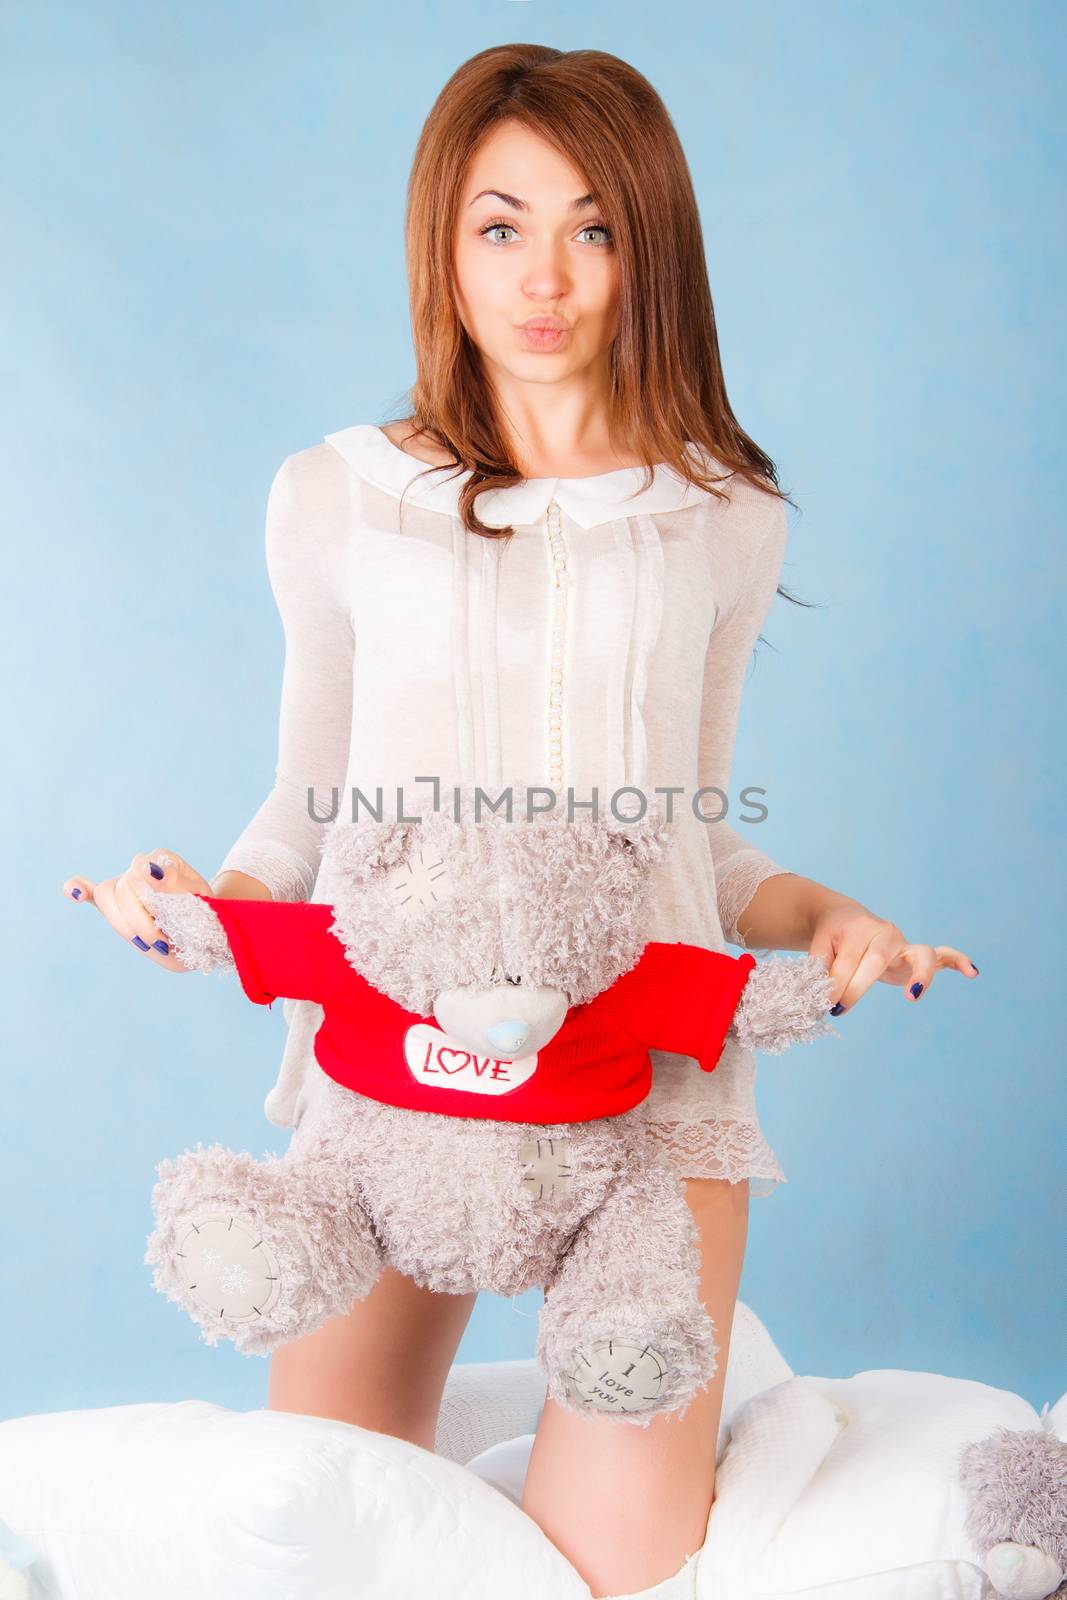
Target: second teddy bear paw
[[233, 1275], [609, 1368], [618, 1375], [1022, 1572], [259, 1252]]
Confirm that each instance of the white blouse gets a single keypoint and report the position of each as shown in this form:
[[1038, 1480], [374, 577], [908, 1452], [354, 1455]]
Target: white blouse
[[604, 645]]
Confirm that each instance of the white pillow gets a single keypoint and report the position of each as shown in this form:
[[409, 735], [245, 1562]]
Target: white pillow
[[169, 1501], [847, 1488], [504, 1465], [829, 1489], [485, 1402], [128, 1502]]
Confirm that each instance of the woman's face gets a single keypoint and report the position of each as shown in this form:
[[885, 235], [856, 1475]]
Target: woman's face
[[529, 249]]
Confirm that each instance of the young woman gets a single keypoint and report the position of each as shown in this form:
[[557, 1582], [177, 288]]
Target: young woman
[[544, 605]]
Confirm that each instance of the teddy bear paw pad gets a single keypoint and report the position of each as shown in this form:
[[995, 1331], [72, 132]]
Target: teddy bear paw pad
[[228, 1267], [616, 1375], [1022, 1572]]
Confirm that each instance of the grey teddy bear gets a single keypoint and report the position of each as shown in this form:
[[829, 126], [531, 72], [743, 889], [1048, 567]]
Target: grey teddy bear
[[1015, 1481], [504, 942]]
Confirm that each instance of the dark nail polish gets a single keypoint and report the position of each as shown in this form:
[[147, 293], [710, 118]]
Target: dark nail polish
[[77, 894], [973, 967], [162, 946], [916, 989], [139, 942], [157, 872], [835, 1011]]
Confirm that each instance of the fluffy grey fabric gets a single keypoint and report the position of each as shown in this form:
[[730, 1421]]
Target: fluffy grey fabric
[[563, 903], [306, 1210], [191, 928], [442, 1199], [784, 1002], [1017, 1483], [465, 1204], [632, 1273]]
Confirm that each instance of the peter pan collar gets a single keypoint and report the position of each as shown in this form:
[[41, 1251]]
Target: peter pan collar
[[588, 501]]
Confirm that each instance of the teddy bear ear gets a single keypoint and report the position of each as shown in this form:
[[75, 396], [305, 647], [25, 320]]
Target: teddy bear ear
[[363, 850]]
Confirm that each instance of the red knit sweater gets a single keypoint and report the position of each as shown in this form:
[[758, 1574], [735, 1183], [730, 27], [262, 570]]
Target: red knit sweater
[[678, 998]]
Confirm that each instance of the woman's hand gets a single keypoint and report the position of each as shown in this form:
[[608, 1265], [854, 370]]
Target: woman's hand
[[859, 948], [118, 900]]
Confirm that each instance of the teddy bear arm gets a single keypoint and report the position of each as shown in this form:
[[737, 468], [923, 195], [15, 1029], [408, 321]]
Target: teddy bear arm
[[191, 928], [682, 998], [282, 948]]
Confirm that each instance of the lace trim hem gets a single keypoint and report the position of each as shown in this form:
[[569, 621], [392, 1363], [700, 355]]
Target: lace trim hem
[[729, 1148]]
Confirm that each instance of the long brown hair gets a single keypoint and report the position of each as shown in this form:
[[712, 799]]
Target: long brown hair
[[667, 383]]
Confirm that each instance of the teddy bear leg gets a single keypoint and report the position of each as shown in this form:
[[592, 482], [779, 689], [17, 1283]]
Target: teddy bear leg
[[260, 1252], [623, 1330]]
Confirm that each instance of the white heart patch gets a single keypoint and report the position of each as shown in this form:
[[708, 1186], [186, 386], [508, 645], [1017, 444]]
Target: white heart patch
[[435, 1059]]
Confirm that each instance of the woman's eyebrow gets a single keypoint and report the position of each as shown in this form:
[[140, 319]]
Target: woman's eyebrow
[[521, 205]]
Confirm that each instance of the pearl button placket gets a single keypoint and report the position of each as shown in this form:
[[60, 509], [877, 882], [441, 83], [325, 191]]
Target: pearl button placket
[[558, 549]]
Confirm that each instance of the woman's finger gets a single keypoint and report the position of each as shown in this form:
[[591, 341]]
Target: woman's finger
[[144, 932], [905, 972], [80, 890], [860, 968], [949, 956], [921, 962], [105, 901], [168, 872], [924, 960], [118, 901], [835, 960]]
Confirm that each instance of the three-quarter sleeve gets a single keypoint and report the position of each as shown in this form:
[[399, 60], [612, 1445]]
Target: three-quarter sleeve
[[740, 867], [306, 543], [282, 950]]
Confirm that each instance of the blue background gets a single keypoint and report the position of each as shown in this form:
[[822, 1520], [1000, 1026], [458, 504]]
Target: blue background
[[204, 273]]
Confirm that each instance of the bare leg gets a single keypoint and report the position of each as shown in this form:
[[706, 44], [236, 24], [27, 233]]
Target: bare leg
[[628, 1505], [382, 1366]]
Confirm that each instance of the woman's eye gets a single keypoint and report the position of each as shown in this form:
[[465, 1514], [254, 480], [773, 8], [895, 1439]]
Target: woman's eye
[[590, 227]]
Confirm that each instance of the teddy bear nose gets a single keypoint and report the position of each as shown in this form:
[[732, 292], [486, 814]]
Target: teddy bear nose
[[509, 1036]]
